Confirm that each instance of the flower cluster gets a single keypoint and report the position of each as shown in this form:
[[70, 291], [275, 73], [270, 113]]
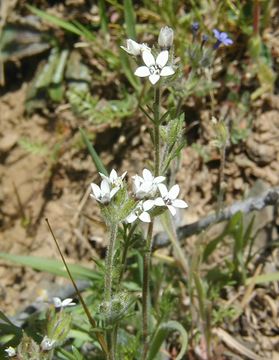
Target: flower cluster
[[110, 185], [148, 191], [153, 68]]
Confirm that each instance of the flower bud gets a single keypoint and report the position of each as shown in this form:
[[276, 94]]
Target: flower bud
[[165, 39], [133, 48]]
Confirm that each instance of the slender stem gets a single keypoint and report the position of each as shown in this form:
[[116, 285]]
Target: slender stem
[[221, 179], [87, 312], [108, 287], [125, 252], [156, 108], [147, 254], [109, 263], [145, 289]]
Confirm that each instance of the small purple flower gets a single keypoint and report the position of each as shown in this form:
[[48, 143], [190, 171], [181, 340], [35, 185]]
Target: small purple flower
[[222, 38], [195, 27]]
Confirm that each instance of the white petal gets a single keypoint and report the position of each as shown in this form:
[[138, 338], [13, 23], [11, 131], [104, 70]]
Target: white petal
[[159, 179], [105, 198], [145, 217], [171, 209], [146, 187], [179, 203], [105, 188], [142, 71], [68, 302], [159, 202], [103, 176], [162, 58], [174, 191], [123, 175], [154, 78], [57, 302], [113, 191], [131, 218], [96, 190], [113, 175], [167, 71], [163, 190], [148, 58], [148, 204], [147, 175], [132, 48]]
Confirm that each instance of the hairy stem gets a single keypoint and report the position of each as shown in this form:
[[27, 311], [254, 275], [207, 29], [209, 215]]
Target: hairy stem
[[221, 179], [108, 287], [156, 108], [125, 252], [145, 290]]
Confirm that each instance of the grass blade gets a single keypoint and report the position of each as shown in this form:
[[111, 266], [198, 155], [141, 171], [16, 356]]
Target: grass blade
[[52, 266], [66, 25], [130, 19], [95, 157], [161, 334]]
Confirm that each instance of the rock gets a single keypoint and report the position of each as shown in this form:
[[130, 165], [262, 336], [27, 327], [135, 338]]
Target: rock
[[8, 141]]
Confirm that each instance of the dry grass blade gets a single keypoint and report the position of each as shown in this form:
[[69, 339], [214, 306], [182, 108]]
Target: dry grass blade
[[234, 344]]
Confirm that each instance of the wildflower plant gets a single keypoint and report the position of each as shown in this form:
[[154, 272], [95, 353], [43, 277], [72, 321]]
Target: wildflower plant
[[130, 204], [127, 205]]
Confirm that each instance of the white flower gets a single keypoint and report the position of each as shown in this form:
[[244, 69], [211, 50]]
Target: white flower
[[104, 193], [11, 352], [146, 186], [140, 212], [47, 344], [154, 69], [165, 39], [58, 303], [169, 198], [133, 48], [114, 179]]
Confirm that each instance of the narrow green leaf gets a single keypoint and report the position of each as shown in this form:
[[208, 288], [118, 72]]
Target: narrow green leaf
[[95, 157], [130, 19], [264, 278], [52, 266], [211, 246], [161, 334], [103, 15], [4, 318], [201, 295], [126, 67], [66, 25]]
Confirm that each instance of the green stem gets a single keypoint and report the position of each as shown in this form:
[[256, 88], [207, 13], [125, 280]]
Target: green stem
[[108, 287], [125, 252], [145, 290], [221, 180], [156, 108]]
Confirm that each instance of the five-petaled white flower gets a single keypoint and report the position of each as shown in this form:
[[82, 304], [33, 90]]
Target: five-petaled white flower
[[133, 48], [154, 69], [113, 179], [146, 186], [140, 212], [103, 193], [169, 198], [47, 344], [58, 303], [11, 352]]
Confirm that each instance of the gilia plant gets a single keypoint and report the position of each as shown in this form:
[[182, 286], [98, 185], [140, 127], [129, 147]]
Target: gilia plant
[[124, 209]]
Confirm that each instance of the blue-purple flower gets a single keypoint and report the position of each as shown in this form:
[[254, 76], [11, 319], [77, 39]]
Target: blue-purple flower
[[195, 27], [222, 38]]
